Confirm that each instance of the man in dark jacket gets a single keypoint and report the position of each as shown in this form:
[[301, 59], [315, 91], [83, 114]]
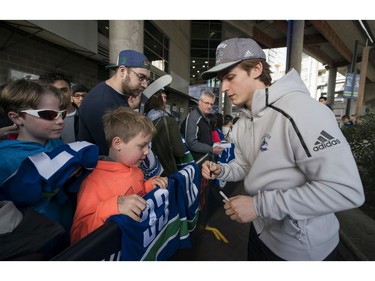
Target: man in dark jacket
[[196, 128], [131, 78]]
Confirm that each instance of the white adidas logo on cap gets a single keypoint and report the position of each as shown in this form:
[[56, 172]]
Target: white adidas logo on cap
[[248, 54]]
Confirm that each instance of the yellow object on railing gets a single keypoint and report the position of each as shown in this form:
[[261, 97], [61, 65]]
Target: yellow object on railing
[[217, 233]]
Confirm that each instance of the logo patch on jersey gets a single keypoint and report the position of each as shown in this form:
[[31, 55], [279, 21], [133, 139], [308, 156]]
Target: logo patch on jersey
[[324, 141], [264, 143]]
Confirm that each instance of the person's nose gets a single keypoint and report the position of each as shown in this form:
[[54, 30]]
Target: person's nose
[[59, 120], [146, 150], [224, 87]]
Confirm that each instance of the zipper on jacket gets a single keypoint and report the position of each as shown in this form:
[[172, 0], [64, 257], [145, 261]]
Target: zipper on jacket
[[292, 122]]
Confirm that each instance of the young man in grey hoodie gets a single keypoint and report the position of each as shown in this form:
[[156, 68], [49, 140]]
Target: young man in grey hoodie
[[297, 170]]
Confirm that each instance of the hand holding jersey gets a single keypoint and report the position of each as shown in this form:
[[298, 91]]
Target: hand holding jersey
[[210, 170], [133, 204], [217, 150]]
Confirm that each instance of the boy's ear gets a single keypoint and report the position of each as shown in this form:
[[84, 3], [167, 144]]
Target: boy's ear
[[116, 143], [16, 118]]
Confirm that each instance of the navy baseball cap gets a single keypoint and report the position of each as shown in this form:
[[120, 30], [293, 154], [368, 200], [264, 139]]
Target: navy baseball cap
[[233, 51], [131, 58]]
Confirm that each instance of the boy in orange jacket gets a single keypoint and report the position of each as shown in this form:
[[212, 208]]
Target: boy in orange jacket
[[116, 185]]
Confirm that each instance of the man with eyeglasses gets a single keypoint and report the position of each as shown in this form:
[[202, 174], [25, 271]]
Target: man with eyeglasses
[[131, 78], [196, 128], [123, 89], [79, 92]]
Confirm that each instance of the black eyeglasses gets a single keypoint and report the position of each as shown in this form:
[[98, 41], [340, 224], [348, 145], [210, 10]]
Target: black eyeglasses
[[141, 77], [207, 103], [46, 114]]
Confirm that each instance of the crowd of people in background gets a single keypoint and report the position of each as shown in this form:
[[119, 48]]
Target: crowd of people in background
[[107, 155]]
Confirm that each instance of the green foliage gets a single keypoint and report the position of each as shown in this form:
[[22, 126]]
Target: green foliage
[[361, 138]]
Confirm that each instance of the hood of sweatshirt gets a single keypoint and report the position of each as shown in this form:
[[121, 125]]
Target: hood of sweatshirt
[[290, 83], [154, 114], [28, 146], [13, 152]]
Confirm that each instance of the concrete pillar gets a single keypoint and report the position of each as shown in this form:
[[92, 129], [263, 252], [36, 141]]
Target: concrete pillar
[[220, 102], [295, 47], [362, 83], [331, 86], [125, 35], [227, 105]]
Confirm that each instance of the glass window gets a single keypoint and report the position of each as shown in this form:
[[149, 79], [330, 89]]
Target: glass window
[[198, 43], [103, 27], [156, 46], [205, 37], [199, 30], [199, 53]]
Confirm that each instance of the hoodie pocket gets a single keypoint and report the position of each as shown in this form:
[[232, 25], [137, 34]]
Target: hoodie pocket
[[296, 228], [321, 229]]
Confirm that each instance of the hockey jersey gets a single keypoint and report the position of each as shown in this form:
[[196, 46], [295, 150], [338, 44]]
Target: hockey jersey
[[42, 176], [187, 158], [151, 166], [165, 225], [155, 237], [226, 156], [187, 183]]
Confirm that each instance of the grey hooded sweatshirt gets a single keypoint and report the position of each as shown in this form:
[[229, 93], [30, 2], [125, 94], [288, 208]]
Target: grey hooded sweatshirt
[[298, 167]]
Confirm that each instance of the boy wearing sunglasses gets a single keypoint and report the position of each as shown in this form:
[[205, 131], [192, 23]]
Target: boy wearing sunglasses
[[62, 82], [38, 110], [37, 169]]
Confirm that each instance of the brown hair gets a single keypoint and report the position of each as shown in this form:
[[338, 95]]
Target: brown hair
[[265, 77], [126, 123], [26, 94], [155, 101]]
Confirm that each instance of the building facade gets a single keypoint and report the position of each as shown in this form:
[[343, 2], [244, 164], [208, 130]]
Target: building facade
[[82, 49]]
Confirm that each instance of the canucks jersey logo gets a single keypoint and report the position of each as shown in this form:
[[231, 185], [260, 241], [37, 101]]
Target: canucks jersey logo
[[264, 143], [157, 214]]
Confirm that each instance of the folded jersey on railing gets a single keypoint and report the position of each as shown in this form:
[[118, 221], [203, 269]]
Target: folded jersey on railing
[[42, 175], [187, 184], [165, 226]]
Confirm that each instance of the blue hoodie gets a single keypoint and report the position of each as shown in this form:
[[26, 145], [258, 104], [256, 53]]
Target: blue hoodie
[[13, 152], [43, 176]]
